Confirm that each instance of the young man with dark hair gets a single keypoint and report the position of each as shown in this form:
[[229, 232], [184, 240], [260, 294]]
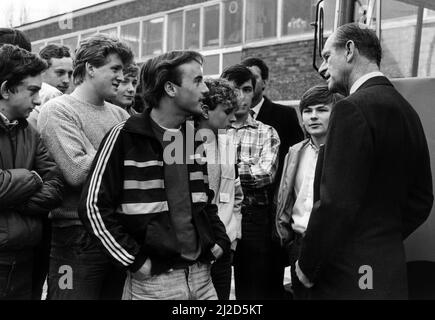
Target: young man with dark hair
[[257, 149], [72, 127], [295, 192], [125, 98], [373, 184], [219, 106], [15, 37], [154, 215], [56, 79], [30, 182], [285, 121], [60, 68]]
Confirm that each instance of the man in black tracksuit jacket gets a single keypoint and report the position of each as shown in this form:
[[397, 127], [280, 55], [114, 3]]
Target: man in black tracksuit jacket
[[151, 215]]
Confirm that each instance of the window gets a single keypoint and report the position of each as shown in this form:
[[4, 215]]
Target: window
[[111, 32], [71, 43], [130, 35], [211, 64], [261, 16], [398, 40], [152, 39], [297, 16], [233, 22], [192, 29], [426, 66], [230, 59], [211, 26], [175, 31], [88, 34]]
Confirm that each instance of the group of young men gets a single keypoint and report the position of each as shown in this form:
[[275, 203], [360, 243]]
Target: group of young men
[[153, 184]]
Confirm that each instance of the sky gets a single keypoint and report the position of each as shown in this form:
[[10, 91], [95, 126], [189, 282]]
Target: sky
[[11, 10]]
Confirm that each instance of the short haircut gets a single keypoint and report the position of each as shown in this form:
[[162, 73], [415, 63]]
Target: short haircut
[[318, 95], [365, 40], [95, 50], [131, 70], [15, 37], [16, 64], [56, 51], [251, 61], [161, 69], [238, 74]]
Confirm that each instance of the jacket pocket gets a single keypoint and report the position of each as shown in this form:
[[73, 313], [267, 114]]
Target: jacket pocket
[[23, 231]]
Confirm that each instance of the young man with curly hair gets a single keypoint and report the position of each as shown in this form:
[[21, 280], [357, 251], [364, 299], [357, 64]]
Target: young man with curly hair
[[219, 106]]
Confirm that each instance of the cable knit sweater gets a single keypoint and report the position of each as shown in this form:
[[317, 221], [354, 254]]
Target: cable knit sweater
[[72, 131]]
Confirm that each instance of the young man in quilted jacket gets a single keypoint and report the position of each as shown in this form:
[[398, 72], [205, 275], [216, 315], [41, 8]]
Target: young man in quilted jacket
[[30, 183]]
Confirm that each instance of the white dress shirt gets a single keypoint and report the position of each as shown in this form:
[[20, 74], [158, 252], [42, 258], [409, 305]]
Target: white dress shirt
[[256, 109], [304, 185]]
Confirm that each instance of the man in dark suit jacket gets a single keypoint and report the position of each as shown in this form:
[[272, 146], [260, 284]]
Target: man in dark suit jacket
[[374, 185], [285, 121]]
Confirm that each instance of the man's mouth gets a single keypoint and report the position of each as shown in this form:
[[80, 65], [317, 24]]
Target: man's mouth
[[62, 88]]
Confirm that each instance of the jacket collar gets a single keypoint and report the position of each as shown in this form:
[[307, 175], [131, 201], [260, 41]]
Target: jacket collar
[[375, 81], [7, 126], [141, 124]]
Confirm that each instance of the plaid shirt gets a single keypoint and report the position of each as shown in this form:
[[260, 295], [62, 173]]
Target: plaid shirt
[[257, 154]]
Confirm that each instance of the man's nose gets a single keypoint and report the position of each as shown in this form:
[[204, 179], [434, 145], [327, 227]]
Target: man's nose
[[233, 118], [66, 79], [323, 68], [37, 99], [120, 76], [130, 88], [204, 88]]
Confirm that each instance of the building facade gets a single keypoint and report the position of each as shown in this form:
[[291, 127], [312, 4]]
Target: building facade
[[226, 31]]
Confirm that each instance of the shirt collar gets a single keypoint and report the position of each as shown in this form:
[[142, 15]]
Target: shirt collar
[[257, 108], [7, 122], [358, 83], [249, 122], [312, 145]]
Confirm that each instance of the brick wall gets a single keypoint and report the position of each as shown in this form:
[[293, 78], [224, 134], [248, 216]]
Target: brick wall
[[122, 12], [290, 68]]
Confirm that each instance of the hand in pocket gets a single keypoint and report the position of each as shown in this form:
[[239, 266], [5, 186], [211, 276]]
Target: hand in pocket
[[144, 272]]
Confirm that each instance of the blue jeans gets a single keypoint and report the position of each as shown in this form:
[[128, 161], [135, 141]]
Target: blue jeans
[[80, 269], [190, 283], [16, 275]]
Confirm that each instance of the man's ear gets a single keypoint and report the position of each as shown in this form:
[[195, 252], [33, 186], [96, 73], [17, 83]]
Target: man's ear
[[170, 89], [90, 69], [265, 85], [205, 109], [4, 90], [350, 50]]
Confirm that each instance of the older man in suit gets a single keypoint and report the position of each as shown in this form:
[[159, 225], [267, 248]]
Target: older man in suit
[[285, 121], [373, 180]]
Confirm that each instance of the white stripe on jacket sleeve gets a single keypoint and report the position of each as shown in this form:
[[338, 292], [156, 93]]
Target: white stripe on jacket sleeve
[[93, 213]]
